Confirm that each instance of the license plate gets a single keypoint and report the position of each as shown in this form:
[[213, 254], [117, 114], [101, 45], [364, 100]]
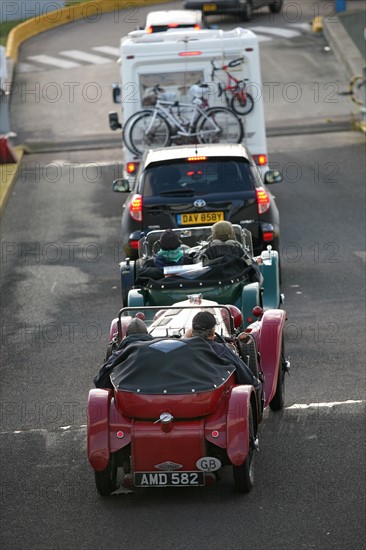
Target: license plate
[[209, 7], [199, 218], [169, 479]]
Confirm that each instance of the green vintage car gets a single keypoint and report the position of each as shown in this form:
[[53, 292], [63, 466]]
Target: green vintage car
[[245, 281]]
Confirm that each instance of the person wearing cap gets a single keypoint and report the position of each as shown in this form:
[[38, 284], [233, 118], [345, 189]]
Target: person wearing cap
[[170, 252], [136, 331], [203, 326]]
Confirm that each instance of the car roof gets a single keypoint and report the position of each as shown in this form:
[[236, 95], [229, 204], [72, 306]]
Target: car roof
[[183, 17], [184, 151]]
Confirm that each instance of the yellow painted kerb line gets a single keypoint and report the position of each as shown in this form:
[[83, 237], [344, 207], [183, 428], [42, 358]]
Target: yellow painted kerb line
[[7, 176], [64, 16]]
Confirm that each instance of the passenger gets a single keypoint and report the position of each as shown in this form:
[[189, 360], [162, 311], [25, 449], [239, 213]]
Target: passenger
[[136, 331], [170, 253], [203, 325], [223, 242]]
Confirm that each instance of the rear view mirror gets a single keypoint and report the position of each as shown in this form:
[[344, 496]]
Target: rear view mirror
[[114, 123], [116, 92], [272, 176], [121, 186]]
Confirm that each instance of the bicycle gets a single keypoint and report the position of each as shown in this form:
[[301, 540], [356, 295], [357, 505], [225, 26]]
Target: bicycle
[[241, 102], [172, 120]]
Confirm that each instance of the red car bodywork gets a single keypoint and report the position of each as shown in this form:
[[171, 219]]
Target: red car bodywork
[[220, 423]]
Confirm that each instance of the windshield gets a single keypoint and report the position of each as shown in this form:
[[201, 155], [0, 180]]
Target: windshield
[[218, 175]]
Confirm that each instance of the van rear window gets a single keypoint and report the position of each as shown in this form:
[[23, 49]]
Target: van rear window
[[202, 177]]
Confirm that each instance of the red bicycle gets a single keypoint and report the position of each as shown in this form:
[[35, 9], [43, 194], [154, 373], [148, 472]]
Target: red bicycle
[[235, 91]]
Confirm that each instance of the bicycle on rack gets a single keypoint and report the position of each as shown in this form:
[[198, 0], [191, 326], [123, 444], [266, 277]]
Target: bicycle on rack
[[171, 120], [235, 91]]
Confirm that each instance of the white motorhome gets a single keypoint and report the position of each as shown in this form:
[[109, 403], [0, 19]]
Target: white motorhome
[[177, 59]]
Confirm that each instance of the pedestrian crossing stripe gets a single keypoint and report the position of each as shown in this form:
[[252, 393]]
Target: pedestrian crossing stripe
[[77, 58]]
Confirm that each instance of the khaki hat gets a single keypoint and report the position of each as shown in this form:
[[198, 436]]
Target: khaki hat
[[223, 231]]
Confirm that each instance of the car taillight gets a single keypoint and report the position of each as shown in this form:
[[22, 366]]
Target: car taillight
[[260, 160], [268, 236], [263, 202], [131, 167], [136, 208], [149, 30], [134, 244], [197, 27]]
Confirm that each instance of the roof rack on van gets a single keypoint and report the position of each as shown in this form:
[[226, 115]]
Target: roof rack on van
[[177, 35]]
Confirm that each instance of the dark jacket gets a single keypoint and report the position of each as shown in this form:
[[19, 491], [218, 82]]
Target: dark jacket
[[102, 379], [243, 373]]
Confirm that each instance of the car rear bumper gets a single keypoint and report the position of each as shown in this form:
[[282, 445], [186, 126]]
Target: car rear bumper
[[212, 8]]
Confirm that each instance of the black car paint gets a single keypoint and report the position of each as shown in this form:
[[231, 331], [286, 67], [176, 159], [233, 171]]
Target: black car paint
[[159, 212]]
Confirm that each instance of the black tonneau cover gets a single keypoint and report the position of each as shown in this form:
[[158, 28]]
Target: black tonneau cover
[[171, 366], [224, 269]]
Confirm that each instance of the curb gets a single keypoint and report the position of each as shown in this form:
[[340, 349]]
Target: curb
[[343, 46], [8, 174]]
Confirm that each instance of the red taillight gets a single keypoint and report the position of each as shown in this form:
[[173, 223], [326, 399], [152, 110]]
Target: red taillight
[[131, 167], [134, 244], [268, 236], [263, 202], [260, 160], [149, 30], [173, 25], [190, 159], [136, 208], [197, 27]]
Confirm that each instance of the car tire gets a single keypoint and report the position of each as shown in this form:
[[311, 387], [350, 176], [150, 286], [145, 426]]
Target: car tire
[[278, 400], [244, 474], [276, 7], [246, 11], [106, 480]]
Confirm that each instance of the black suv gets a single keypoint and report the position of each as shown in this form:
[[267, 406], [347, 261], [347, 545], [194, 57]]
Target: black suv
[[241, 8], [186, 186]]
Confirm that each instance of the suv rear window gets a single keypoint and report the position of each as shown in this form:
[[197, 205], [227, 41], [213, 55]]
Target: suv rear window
[[218, 175]]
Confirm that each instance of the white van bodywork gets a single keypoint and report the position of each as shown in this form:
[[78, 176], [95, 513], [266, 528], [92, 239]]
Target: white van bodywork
[[177, 59]]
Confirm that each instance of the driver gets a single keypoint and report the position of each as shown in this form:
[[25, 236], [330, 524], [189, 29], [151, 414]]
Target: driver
[[203, 325]]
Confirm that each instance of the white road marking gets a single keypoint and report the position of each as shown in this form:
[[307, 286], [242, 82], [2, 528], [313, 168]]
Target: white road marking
[[55, 61], [85, 56], [302, 26], [324, 405], [108, 50], [262, 38], [284, 33], [27, 68], [360, 254]]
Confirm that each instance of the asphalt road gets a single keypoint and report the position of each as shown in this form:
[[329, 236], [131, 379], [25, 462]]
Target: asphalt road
[[60, 290]]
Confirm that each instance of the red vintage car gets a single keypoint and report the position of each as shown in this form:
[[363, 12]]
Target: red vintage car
[[176, 414]]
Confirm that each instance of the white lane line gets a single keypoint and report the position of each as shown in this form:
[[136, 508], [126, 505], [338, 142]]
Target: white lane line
[[27, 68], [302, 26], [108, 50], [324, 405], [262, 38], [56, 62], [360, 254], [277, 31], [85, 56]]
